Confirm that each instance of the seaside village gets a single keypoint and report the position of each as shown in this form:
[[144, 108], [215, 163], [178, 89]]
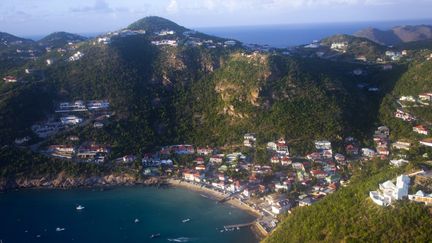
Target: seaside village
[[268, 188]]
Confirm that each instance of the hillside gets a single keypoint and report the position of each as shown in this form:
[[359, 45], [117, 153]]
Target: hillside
[[397, 35], [357, 47], [16, 51], [350, 216], [60, 39]]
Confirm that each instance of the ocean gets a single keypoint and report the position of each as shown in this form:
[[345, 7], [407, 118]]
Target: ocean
[[109, 216], [282, 36]]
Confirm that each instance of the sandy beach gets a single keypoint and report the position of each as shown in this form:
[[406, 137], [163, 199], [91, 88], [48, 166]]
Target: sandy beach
[[214, 195]]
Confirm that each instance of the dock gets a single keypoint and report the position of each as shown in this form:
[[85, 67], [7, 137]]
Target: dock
[[233, 226]]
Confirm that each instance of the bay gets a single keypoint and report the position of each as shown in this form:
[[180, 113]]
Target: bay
[[109, 215]]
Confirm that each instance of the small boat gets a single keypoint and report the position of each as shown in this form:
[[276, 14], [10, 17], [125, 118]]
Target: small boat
[[154, 236], [60, 229], [136, 221], [80, 207], [186, 220]]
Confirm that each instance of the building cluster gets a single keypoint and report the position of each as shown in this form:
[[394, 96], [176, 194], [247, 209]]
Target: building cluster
[[66, 119], [10, 79], [389, 192], [339, 46], [76, 56], [87, 152]]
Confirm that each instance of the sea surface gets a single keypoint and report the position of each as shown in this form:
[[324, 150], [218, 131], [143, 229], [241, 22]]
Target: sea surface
[[282, 36], [109, 215]]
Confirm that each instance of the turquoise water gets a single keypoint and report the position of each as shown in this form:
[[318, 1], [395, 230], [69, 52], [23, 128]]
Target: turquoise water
[[108, 216]]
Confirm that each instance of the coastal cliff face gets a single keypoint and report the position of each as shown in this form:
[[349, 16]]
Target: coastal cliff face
[[61, 180]]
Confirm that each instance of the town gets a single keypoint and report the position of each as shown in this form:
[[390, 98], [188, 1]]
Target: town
[[268, 188]]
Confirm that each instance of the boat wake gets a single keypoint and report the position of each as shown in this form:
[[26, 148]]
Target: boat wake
[[180, 239]]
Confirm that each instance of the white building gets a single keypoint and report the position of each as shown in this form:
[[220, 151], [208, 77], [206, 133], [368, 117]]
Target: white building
[[339, 46], [389, 192], [71, 120], [76, 56]]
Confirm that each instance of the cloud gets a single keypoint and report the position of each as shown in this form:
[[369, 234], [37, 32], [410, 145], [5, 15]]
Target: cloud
[[172, 7], [98, 6]]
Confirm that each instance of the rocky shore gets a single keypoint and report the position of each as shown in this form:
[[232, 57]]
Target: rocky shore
[[63, 181]]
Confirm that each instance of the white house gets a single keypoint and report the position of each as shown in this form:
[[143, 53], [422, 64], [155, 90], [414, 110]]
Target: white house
[[389, 192], [71, 120], [426, 142], [398, 162]]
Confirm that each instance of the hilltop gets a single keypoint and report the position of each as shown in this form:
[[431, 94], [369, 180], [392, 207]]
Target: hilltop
[[397, 35], [60, 39]]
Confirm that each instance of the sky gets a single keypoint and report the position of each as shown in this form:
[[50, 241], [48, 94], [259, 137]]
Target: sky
[[39, 17]]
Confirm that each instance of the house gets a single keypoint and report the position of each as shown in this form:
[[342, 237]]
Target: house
[[216, 159], [128, 158], [204, 151], [230, 43], [298, 166], [426, 142], [275, 160], [165, 43], [351, 149], [71, 120], [401, 145], [272, 146], [323, 145], [76, 56], [382, 131], [182, 149], [20, 141], [367, 152], [339, 158], [10, 79], [71, 107], [407, 98], [319, 174], [421, 129], [165, 32], [61, 151], [98, 125], [249, 140], [282, 186], [398, 162], [307, 201], [339, 46], [285, 161], [282, 147], [281, 206], [389, 192], [425, 97], [421, 197], [404, 115], [98, 105]]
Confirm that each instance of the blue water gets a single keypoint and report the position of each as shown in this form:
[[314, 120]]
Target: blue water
[[109, 216], [297, 34]]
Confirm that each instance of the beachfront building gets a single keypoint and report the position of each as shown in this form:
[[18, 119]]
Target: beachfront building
[[389, 192]]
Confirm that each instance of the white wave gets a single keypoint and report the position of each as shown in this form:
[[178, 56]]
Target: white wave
[[180, 239]]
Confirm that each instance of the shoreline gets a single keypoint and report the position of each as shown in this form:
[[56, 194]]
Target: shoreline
[[215, 195]]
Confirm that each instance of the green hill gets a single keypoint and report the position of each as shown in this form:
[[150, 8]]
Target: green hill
[[349, 215], [60, 39]]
